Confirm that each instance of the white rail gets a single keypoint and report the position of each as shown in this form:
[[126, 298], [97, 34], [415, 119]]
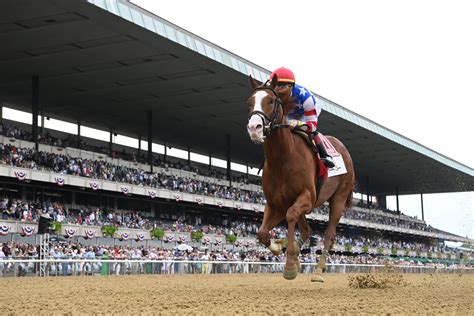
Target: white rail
[[75, 267]]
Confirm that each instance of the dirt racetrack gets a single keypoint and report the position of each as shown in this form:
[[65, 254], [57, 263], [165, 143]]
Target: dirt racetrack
[[233, 294]]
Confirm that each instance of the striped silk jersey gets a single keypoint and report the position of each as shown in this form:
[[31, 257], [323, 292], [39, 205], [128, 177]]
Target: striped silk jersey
[[307, 107]]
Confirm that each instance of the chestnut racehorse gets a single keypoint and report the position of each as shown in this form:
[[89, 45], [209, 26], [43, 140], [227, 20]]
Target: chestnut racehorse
[[289, 177]]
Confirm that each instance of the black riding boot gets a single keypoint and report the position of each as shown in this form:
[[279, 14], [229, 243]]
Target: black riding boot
[[323, 154]]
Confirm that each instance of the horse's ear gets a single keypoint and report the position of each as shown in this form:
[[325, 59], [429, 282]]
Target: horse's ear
[[253, 84], [274, 81]]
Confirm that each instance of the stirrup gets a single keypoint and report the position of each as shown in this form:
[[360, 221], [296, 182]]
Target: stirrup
[[328, 162]]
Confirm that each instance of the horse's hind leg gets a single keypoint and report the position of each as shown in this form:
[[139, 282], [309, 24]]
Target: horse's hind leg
[[271, 218], [305, 230], [336, 208]]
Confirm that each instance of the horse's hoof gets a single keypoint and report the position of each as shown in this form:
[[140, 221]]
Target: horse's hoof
[[290, 275], [317, 278]]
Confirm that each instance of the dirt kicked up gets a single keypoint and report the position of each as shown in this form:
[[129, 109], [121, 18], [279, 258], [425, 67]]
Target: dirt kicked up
[[234, 294]]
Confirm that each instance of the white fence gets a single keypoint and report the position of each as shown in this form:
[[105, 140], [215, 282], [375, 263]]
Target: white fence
[[76, 267]]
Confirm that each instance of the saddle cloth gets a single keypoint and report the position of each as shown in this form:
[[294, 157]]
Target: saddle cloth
[[339, 168]]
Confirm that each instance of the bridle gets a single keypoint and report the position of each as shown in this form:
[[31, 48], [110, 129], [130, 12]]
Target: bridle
[[270, 123]]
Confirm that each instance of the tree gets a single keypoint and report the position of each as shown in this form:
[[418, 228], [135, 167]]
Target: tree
[[56, 227], [158, 233], [109, 230], [231, 239], [196, 236]]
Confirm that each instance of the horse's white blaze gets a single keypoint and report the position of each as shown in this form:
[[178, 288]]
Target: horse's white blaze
[[257, 135]]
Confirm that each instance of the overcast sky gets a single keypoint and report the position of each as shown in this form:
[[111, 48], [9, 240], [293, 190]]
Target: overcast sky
[[407, 65]]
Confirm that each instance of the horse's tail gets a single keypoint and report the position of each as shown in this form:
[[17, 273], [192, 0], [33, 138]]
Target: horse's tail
[[349, 196], [349, 200]]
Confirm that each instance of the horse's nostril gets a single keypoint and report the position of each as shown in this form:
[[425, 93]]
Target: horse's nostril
[[258, 127]]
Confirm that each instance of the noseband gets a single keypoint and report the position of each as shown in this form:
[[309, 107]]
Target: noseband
[[269, 123]]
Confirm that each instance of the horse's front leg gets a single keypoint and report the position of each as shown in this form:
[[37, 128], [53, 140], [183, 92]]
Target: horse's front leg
[[301, 206], [271, 218]]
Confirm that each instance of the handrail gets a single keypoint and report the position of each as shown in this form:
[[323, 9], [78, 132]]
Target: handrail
[[213, 262]]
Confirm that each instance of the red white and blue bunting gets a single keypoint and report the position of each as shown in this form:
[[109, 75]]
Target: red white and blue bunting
[[206, 241], [124, 236], [21, 175], [60, 181], [4, 230], [169, 238], [125, 190], [238, 206], [140, 237], [70, 232], [177, 197], [255, 208], [182, 239], [238, 243], [89, 234], [152, 194], [27, 230], [199, 201], [94, 186], [220, 203], [217, 242]]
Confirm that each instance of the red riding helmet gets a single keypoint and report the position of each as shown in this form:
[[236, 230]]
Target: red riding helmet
[[284, 75]]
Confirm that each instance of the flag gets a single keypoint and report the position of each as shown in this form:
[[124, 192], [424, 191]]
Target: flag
[[20, 175], [4, 230]]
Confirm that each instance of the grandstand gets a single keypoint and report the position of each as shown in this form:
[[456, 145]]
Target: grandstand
[[154, 138]]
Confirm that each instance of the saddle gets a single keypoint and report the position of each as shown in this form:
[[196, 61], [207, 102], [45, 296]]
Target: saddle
[[322, 170]]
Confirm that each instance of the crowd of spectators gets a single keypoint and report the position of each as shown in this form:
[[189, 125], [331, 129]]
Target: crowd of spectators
[[96, 169], [16, 209], [29, 212], [28, 158], [102, 170], [74, 141], [210, 260], [379, 217]]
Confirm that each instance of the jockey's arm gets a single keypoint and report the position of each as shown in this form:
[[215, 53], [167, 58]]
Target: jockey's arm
[[310, 116]]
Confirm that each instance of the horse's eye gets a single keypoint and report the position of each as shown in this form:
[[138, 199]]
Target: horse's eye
[[271, 101]]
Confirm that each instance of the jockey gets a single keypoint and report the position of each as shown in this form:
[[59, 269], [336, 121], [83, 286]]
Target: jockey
[[306, 111]]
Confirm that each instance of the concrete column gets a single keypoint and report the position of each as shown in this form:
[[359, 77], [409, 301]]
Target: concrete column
[[422, 208], [111, 149], [139, 145], [189, 156], [382, 201], [23, 193], [166, 153], [73, 199], [150, 138], [79, 134], [34, 109], [228, 156], [42, 122], [367, 189], [396, 195]]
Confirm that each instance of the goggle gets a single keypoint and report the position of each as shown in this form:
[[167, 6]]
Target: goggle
[[284, 85]]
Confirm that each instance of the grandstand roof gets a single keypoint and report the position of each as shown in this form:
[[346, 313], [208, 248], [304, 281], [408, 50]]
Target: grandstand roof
[[106, 63]]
